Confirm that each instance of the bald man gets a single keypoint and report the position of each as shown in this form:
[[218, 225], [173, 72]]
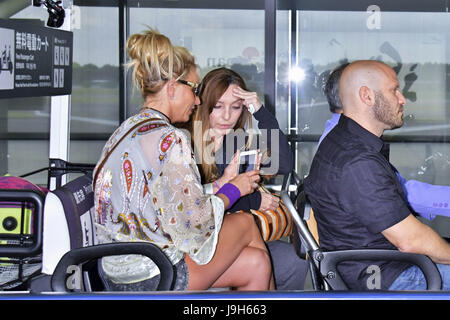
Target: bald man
[[356, 196], [423, 198]]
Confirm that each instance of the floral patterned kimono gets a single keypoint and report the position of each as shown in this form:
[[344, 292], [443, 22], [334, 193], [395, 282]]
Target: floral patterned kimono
[[149, 189]]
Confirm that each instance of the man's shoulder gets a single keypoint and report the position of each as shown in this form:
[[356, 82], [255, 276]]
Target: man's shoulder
[[342, 146]]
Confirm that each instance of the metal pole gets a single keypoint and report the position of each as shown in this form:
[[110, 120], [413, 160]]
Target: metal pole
[[60, 118]]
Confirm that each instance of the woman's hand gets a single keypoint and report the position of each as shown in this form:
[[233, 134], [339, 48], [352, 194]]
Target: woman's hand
[[251, 100], [246, 182], [268, 202], [231, 171]]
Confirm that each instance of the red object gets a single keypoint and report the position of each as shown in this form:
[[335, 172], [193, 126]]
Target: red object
[[11, 182]]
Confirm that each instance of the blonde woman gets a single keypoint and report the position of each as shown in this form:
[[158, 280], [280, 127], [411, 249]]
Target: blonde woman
[[148, 188]]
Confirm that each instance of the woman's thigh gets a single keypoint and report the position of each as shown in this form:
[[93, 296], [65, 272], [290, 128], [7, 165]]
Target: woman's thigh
[[238, 232]]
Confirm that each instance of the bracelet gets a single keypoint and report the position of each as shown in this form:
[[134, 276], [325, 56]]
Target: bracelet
[[217, 185], [230, 191]]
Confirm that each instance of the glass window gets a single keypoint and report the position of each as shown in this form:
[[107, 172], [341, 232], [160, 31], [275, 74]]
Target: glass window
[[24, 126], [24, 129], [95, 94], [283, 65], [416, 45], [216, 37]]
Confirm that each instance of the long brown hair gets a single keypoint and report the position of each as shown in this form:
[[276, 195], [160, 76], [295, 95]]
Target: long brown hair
[[212, 87]]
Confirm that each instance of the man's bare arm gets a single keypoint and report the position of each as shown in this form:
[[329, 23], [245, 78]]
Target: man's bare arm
[[411, 235]]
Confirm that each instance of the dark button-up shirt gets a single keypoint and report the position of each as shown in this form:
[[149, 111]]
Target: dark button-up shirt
[[355, 195]]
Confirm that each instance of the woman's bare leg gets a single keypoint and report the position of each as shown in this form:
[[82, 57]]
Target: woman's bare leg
[[247, 272], [241, 259]]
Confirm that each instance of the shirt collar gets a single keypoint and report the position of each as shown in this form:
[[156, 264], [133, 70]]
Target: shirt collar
[[163, 116], [367, 137], [335, 118]]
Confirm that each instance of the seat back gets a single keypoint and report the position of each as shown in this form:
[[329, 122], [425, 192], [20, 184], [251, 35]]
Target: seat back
[[70, 248], [78, 281], [68, 221]]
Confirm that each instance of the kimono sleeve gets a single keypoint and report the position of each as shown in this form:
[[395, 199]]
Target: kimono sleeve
[[189, 217]]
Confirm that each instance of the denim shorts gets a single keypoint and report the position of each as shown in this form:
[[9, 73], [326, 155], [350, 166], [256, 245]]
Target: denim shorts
[[413, 279], [180, 281]]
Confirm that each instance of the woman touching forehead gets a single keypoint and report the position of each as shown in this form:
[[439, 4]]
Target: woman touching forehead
[[226, 112]]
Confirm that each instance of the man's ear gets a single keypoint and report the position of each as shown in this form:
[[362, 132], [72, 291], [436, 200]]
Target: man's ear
[[367, 96]]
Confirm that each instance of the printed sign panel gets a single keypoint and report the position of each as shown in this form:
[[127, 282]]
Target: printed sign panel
[[35, 60], [7, 52]]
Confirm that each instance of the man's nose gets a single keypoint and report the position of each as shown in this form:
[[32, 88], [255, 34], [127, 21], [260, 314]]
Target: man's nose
[[401, 98]]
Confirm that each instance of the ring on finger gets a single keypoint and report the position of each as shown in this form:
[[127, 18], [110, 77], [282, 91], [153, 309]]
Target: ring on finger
[[251, 108]]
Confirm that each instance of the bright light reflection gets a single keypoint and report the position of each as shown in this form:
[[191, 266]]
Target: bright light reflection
[[297, 74]]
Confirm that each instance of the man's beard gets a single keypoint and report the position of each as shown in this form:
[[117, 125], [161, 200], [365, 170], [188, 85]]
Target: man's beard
[[385, 113]]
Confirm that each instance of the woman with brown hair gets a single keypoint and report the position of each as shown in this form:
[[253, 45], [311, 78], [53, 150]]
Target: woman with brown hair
[[147, 188], [224, 117]]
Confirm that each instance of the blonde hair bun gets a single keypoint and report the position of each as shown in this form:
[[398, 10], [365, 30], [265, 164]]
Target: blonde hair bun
[[154, 60]]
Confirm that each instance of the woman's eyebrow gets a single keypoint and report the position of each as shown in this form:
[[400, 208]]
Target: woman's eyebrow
[[237, 100]]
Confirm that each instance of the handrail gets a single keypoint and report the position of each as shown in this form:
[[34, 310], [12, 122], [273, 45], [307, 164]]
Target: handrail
[[302, 228]]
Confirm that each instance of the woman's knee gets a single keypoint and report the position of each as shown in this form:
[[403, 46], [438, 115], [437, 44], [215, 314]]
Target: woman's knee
[[258, 261], [243, 221], [244, 224]]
